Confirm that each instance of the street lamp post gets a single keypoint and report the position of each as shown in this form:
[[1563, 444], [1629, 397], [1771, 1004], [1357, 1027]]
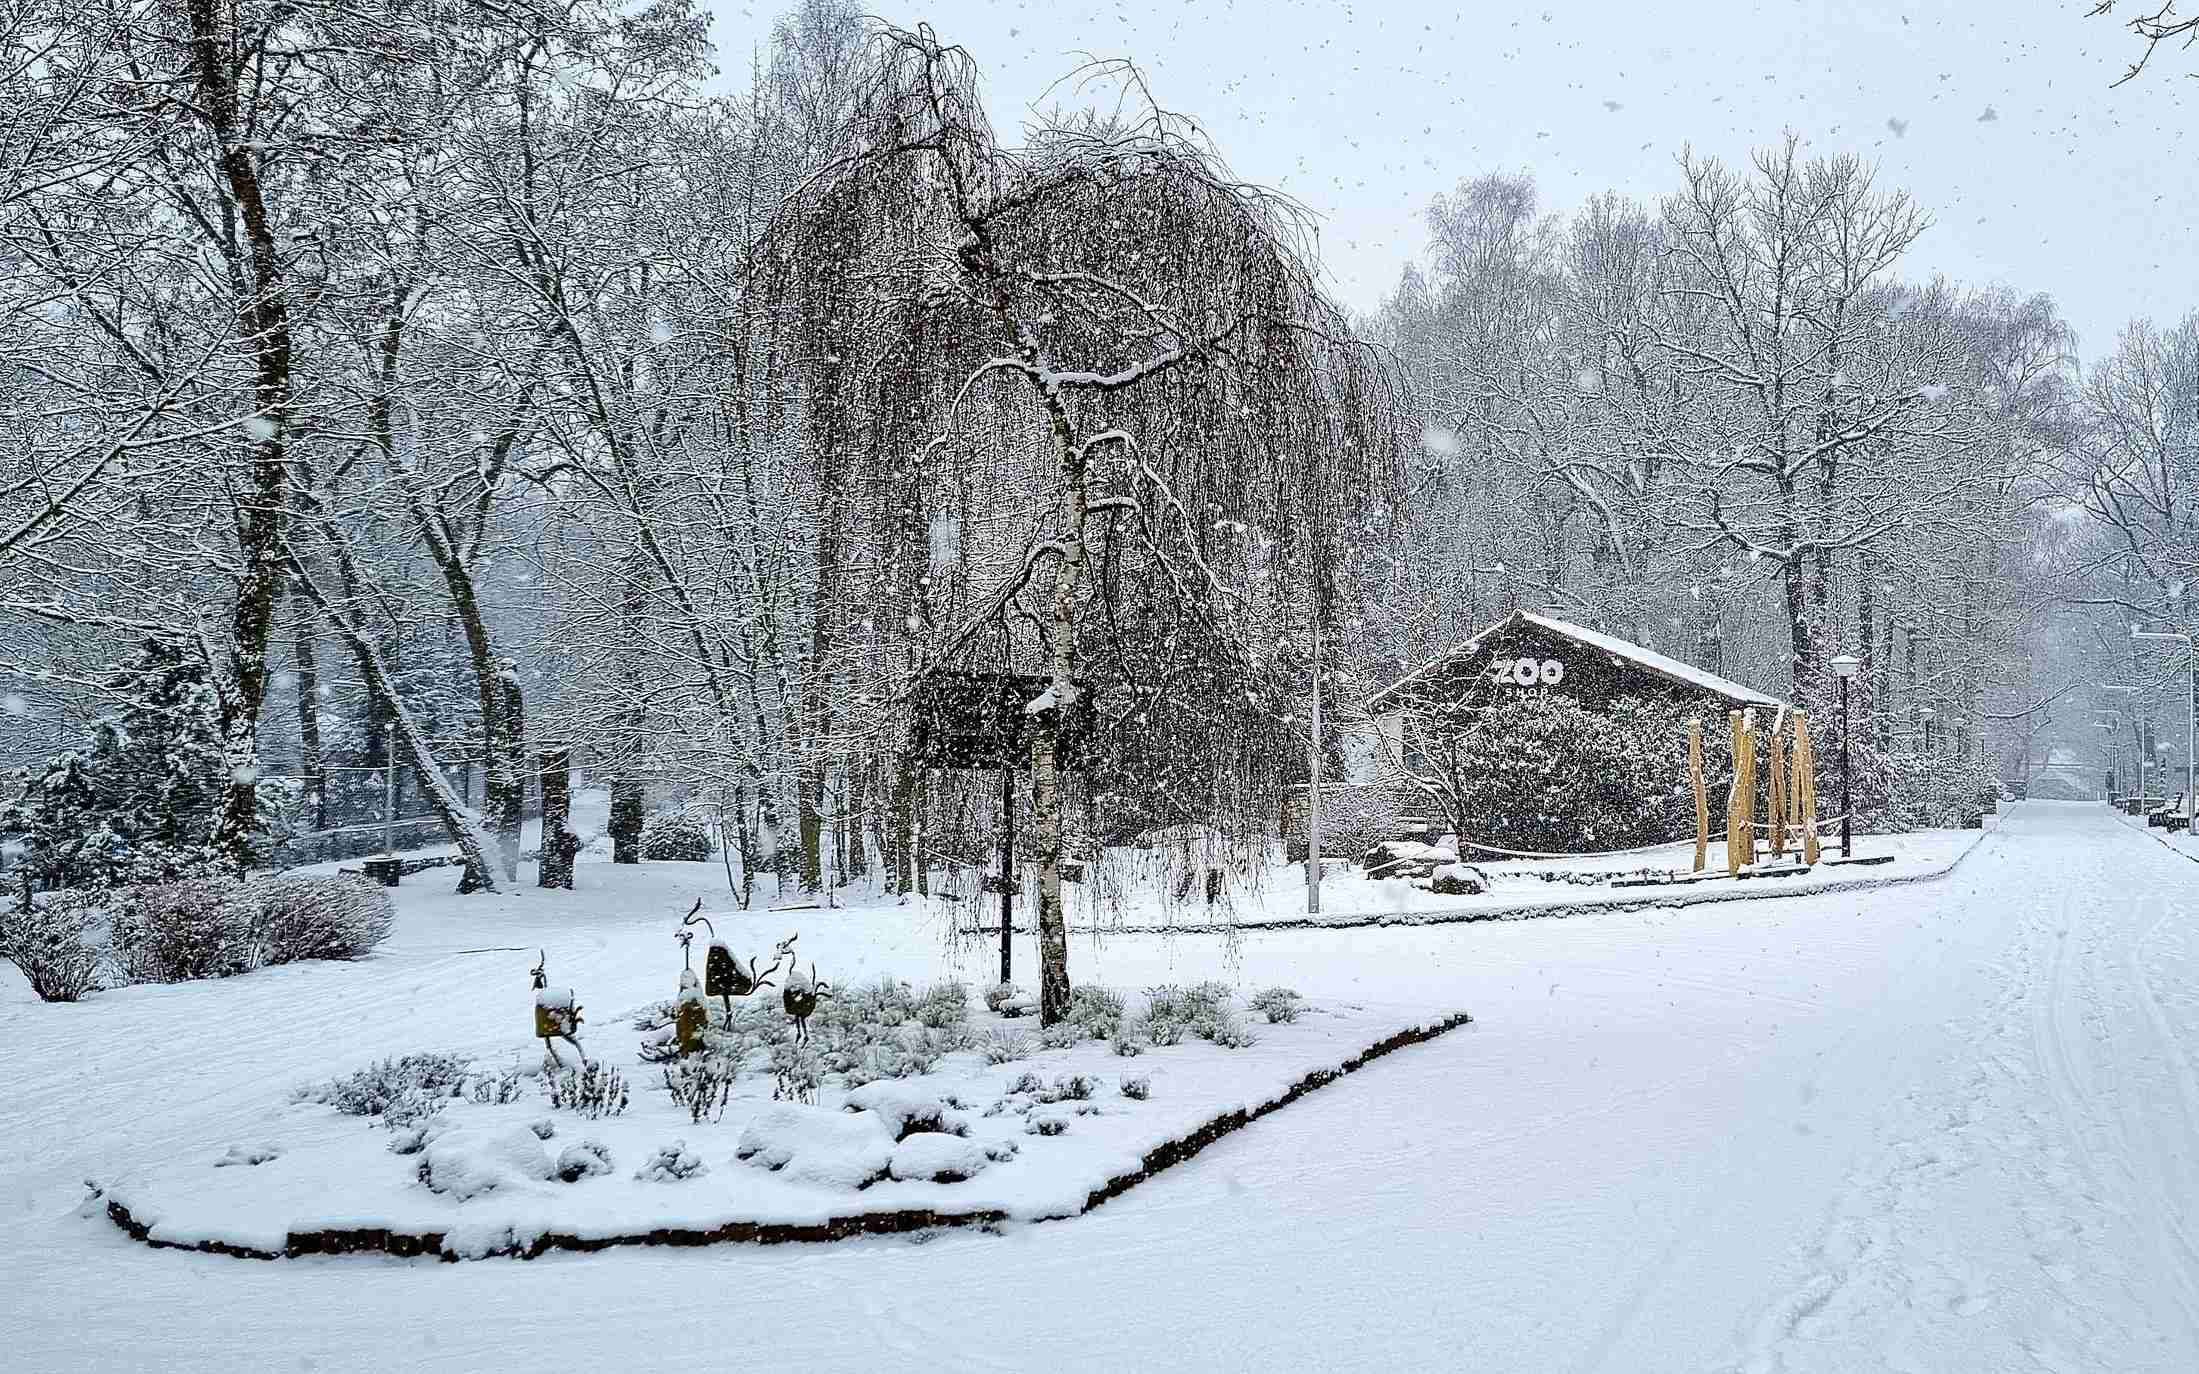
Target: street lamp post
[[1844, 667], [2191, 707]]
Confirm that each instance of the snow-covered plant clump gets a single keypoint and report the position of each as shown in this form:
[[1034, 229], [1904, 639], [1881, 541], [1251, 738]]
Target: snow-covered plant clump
[[818, 1146], [1279, 1005], [1458, 880], [944, 1004], [673, 1163], [702, 1085], [946, 1158], [306, 916], [52, 942], [398, 1091], [593, 1090], [679, 836], [910, 1109], [190, 928], [583, 1159], [1202, 1010], [1137, 1089], [465, 1164], [1006, 1046], [1006, 999], [1096, 1011]]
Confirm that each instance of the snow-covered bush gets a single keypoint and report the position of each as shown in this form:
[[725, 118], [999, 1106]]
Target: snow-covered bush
[[1278, 1005], [1006, 999], [673, 1163], [797, 1071], [1220, 1026], [1075, 1087], [592, 1090], [909, 1109], [702, 1084], [51, 942], [1062, 1035], [946, 1158], [1046, 1125], [399, 1091], [1125, 1042], [1540, 770], [1006, 1046], [190, 928], [1027, 1083], [309, 916], [1137, 1089], [815, 1145], [944, 1004], [499, 1089], [467, 1164], [1458, 880], [679, 836], [583, 1159], [1097, 1011]]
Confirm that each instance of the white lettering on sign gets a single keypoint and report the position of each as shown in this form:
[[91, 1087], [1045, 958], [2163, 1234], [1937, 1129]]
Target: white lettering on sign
[[1528, 672]]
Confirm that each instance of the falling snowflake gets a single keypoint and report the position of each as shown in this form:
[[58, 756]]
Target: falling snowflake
[[14, 705], [1900, 127], [1589, 380], [1932, 391], [244, 772], [1441, 442], [259, 427]]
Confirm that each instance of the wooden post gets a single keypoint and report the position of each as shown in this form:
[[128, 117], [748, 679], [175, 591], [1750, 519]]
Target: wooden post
[[1805, 788], [1738, 839], [1702, 795], [1775, 796]]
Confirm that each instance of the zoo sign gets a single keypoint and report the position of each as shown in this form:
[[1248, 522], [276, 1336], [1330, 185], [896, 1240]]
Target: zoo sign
[[1527, 672]]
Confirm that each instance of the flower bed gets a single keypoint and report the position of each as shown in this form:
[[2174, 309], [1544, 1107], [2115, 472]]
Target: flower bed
[[478, 1162]]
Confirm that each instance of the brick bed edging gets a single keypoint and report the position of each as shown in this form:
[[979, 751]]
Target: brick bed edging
[[1525, 911], [407, 1245]]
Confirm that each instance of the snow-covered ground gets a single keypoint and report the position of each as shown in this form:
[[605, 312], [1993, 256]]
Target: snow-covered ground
[[1948, 1126]]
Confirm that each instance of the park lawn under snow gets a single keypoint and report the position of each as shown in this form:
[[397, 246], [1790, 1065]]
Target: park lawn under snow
[[963, 1142]]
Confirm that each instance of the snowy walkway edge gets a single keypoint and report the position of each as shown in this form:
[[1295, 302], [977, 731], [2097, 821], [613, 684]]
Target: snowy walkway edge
[[1750, 891], [382, 1240]]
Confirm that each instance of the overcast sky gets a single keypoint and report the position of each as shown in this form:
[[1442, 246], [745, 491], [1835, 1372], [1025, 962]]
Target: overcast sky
[[1996, 114]]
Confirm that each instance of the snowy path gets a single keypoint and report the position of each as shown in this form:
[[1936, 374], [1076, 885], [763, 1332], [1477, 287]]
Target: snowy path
[[1947, 1127]]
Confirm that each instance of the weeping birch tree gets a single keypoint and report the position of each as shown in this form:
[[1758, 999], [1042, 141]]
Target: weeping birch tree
[[1130, 341]]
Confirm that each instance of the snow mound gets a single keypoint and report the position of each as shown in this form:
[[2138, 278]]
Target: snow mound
[[908, 1107], [929, 1157], [585, 1159], [247, 1154], [817, 1145], [467, 1164]]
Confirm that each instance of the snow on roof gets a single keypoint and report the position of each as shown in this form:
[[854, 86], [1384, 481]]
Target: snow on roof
[[1649, 660]]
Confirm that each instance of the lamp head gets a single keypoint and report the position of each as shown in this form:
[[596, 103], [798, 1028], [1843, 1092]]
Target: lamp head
[[1846, 666]]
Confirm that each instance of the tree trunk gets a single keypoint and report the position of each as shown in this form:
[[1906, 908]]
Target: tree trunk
[[309, 713], [625, 822], [556, 868], [264, 318], [511, 812]]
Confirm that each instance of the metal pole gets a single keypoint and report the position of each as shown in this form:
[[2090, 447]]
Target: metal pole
[[1313, 790], [389, 800], [2191, 725], [1847, 810], [1007, 866]]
